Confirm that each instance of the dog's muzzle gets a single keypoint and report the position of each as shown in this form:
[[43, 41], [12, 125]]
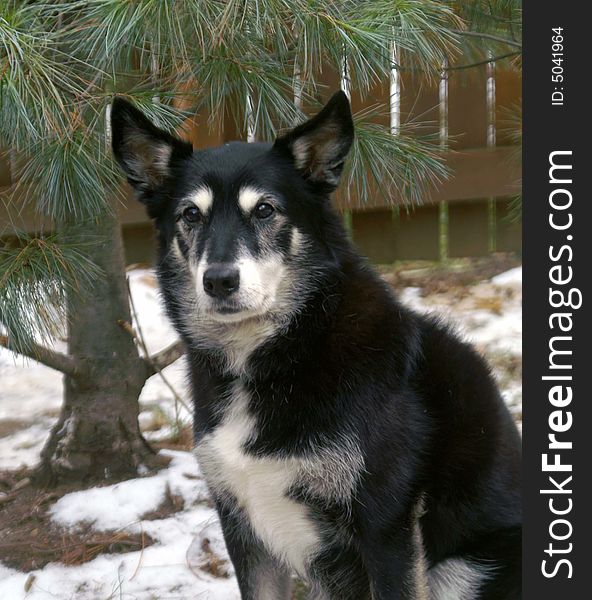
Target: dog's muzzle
[[220, 281]]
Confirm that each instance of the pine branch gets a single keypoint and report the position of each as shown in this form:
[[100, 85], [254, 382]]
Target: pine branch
[[489, 36], [165, 357], [37, 274], [50, 358], [484, 62]]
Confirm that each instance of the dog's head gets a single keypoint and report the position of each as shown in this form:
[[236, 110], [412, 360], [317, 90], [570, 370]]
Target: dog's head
[[244, 229]]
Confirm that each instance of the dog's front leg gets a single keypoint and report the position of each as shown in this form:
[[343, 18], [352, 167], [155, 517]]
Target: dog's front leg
[[337, 573], [396, 564], [259, 575]]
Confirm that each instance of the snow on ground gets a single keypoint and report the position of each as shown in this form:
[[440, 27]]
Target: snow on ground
[[35, 389], [511, 278], [490, 317], [176, 566], [24, 446], [158, 333], [31, 394]]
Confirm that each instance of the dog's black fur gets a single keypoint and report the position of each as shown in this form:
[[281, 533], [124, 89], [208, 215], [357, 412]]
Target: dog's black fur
[[438, 496]]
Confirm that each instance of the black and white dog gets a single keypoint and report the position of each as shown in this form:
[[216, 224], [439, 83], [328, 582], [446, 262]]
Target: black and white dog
[[343, 437]]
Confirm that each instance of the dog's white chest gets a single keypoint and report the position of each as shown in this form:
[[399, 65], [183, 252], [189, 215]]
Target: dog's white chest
[[260, 486]]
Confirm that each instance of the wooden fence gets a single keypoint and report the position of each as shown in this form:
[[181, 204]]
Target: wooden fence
[[471, 214]]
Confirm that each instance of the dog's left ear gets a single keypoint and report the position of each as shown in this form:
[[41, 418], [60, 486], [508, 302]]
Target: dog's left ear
[[145, 153], [319, 146]]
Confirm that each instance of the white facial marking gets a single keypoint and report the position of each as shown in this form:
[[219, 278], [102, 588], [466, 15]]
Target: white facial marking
[[260, 484], [456, 579], [260, 278], [197, 270], [238, 334], [203, 198], [248, 197]]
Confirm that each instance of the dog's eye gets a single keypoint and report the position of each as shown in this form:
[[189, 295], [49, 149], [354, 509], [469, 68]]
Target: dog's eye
[[263, 210], [192, 215]]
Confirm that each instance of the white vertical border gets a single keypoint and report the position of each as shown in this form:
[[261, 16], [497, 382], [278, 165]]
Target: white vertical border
[[250, 110], [443, 217], [108, 126], [297, 86], [491, 124], [491, 143], [395, 90], [345, 80], [394, 106], [346, 87], [443, 104], [154, 61]]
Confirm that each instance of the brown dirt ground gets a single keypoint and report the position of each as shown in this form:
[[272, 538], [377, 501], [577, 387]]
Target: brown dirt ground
[[30, 540], [433, 277]]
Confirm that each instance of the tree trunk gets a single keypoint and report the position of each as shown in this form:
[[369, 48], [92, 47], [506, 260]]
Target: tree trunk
[[97, 434]]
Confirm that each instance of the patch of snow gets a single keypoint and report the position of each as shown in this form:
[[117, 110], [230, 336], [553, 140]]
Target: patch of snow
[[491, 332], [512, 395], [177, 565], [498, 330], [123, 504], [156, 573], [23, 447], [110, 507], [513, 277], [158, 334], [412, 297], [157, 330], [29, 389]]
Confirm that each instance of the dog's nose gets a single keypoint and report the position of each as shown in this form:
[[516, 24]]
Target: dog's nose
[[220, 281]]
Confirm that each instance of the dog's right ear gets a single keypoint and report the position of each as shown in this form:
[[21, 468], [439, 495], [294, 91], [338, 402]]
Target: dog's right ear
[[145, 152]]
